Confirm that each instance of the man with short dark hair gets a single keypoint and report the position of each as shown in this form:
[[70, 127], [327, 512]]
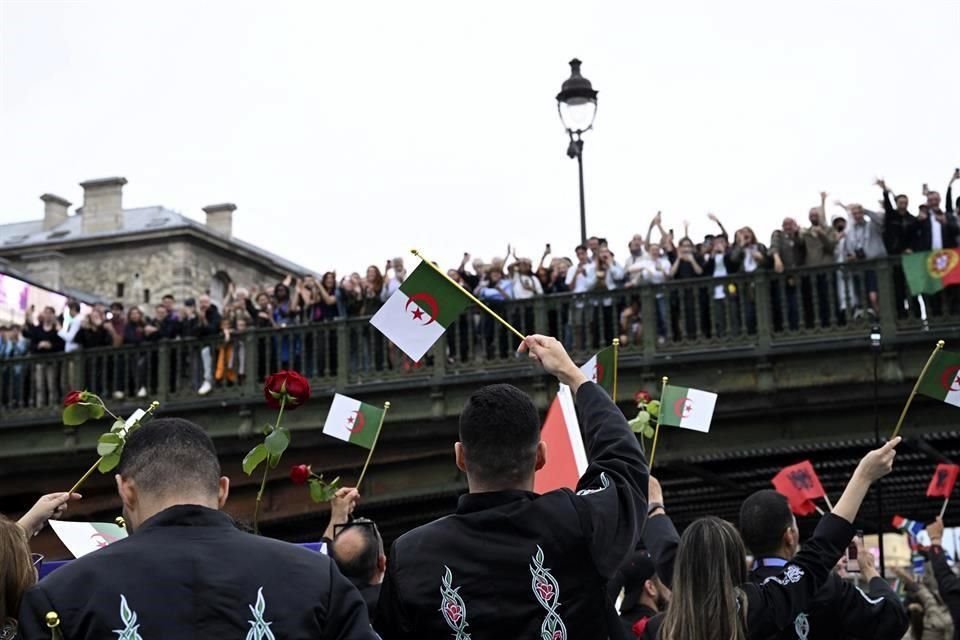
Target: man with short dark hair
[[644, 595], [187, 571], [840, 609], [511, 563]]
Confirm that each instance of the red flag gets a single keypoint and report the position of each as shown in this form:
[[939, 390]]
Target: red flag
[[566, 456], [941, 485], [801, 486]]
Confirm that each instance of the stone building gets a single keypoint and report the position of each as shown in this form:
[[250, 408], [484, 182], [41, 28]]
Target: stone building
[[134, 256]]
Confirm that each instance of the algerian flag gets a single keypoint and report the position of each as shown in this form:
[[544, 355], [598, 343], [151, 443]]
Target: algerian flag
[[353, 421], [420, 311], [942, 381], [687, 408], [82, 538], [600, 369]]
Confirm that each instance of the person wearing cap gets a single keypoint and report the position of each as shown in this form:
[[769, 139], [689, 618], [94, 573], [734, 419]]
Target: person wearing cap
[[644, 595]]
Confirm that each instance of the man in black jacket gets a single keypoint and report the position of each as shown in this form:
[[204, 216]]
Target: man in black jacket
[[202, 321], [186, 571], [947, 581], [510, 563], [840, 609], [644, 595], [899, 236]]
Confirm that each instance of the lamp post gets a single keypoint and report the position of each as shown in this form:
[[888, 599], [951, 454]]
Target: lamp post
[[577, 106]]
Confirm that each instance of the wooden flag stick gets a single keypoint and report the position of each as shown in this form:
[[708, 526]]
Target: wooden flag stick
[[376, 438], [943, 509], [469, 295], [903, 414], [616, 365], [819, 510], [829, 504], [656, 432]]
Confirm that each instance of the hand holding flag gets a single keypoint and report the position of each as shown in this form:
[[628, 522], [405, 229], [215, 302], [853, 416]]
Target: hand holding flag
[[551, 355]]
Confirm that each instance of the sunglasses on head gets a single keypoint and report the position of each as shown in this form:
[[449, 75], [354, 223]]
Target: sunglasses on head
[[358, 522]]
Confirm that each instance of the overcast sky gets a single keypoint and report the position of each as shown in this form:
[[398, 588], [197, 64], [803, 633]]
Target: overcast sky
[[348, 132]]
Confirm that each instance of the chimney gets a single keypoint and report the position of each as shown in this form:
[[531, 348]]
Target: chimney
[[54, 211], [103, 205], [220, 218]]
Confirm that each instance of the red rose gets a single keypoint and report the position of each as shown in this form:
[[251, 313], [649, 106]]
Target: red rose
[[74, 397], [454, 612], [286, 383], [300, 474], [642, 397]]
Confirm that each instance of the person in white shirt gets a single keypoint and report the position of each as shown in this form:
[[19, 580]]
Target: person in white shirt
[[580, 280]]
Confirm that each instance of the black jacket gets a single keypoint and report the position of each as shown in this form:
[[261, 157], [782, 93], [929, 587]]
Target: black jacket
[[630, 618], [949, 585], [167, 329], [841, 611], [948, 231], [774, 604], [899, 231], [188, 572], [193, 328], [514, 564], [36, 334]]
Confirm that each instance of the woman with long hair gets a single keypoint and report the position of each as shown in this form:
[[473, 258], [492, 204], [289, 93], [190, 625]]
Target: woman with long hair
[[712, 599]]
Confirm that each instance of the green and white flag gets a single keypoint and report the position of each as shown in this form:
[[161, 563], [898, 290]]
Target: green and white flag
[[687, 408], [81, 538], [353, 421], [600, 369], [420, 311], [942, 381]]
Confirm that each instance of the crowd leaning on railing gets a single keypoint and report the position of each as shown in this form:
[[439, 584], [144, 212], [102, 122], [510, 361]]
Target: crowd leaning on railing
[[703, 289]]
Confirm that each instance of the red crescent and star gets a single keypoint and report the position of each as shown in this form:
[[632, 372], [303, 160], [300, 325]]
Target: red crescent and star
[[683, 407], [356, 422], [417, 312], [950, 381], [598, 373]]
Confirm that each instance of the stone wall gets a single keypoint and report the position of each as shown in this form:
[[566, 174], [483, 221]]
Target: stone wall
[[184, 268]]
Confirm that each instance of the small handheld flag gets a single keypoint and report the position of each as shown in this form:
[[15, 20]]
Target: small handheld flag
[[81, 538], [601, 369], [911, 527], [943, 480], [687, 408], [801, 486], [353, 421]]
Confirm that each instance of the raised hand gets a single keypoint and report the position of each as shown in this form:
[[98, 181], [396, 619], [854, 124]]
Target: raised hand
[[712, 217], [956, 175], [881, 183], [551, 355], [878, 462], [48, 507], [935, 531]]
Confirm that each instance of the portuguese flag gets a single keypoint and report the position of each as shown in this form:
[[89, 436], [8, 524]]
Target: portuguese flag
[[687, 408], [353, 421], [942, 381], [600, 369], [420, 311], [931, 271]]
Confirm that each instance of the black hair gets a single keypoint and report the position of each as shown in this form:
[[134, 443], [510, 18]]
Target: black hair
[[361, 566], [581, 247], [602, 242], [764, 516], [900, 195], [74, 306], [168, 456], [500, 430], [168, 296]]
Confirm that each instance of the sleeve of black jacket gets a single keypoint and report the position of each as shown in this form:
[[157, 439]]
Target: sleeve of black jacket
[[611, 495], [391, 619], [343, 616], [775, 603], [32, 617], [947, 582], [876, 614], [661, 540]]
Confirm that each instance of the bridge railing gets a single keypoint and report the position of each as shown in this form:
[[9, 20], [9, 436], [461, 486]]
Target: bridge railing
[[757, 312]]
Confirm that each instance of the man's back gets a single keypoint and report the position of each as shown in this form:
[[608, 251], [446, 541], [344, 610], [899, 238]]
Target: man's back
[[189, 573], [512, 564]]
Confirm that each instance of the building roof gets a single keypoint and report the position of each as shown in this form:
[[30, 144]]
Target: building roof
[[31, 236]]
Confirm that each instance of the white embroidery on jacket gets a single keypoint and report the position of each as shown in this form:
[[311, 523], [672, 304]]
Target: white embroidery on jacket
[[452, 607], [129, 619], [604, 483], [801, 626], [547, 592], [791, 574], [259, 628], [868, 598]]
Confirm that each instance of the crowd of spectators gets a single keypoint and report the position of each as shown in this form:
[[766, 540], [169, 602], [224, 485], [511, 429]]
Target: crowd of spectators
[[587, 319]]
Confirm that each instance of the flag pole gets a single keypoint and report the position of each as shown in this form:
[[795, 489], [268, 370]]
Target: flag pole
[[616, 365], [819, 510], [903, 414], [376, 438], [469, 295], [656, 432], [943, 509], [829, 504]]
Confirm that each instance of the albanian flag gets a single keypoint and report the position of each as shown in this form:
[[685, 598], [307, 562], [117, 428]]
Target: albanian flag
[[941, 484], [801, 486]]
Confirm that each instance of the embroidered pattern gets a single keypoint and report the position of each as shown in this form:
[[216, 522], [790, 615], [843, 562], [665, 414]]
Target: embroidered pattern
[[801, 626], [873, 601], [259, 628], [791, 574], [547, 592], [129, 619], [452, 607], [604, 483]]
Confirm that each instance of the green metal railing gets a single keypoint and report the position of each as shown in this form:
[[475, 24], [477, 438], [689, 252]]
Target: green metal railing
[[755, 313]]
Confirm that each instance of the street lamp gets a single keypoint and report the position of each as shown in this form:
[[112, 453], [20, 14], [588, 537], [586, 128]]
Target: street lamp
[[577, 106]]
